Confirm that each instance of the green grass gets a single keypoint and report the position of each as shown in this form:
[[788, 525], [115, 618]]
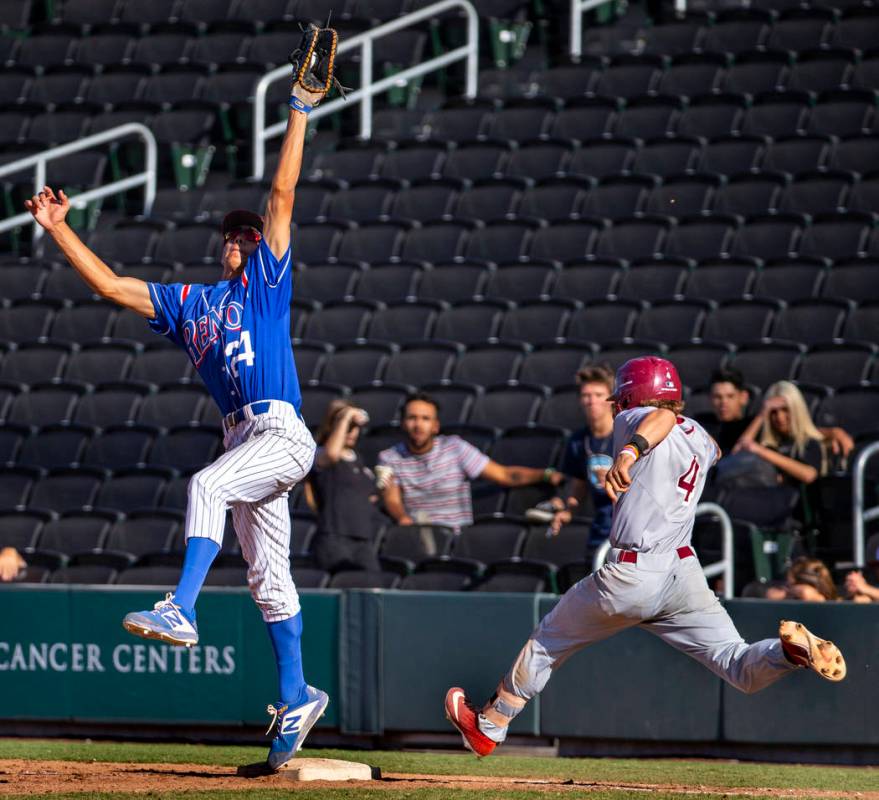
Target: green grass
[[618, 771]]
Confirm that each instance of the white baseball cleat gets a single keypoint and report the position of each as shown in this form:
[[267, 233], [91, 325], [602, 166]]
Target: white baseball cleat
[[167, 622]]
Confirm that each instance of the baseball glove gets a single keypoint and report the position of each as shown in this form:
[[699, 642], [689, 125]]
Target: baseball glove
[[313, 63]]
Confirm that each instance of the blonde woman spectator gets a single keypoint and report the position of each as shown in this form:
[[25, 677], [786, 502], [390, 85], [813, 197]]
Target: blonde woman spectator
[[784, 435]]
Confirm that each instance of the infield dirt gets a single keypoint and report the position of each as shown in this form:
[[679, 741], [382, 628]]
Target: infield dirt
[[29, 778]]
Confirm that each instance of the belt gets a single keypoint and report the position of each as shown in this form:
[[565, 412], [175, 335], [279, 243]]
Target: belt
[[245, 412], [631, 557]]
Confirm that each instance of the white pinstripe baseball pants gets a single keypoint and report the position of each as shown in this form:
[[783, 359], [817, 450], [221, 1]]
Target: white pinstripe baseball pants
[[266, 455]]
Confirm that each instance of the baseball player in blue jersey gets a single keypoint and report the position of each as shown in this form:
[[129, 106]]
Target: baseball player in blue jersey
[[237, 334], [653, 578]]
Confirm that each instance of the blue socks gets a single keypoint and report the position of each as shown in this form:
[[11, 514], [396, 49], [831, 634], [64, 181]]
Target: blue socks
[[285, 636], [200, 554]]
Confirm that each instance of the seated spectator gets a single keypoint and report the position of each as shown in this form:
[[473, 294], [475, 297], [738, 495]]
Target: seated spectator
[[729, 402], [11, 563], [341, 489], [429, 474], [861, 587], [784, 435], [809, 579], [729, 420], [589, 454]]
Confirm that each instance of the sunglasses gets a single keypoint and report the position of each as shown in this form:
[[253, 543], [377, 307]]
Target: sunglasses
[[248, 234]]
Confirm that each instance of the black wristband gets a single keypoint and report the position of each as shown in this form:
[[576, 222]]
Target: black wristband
[[640, 443]]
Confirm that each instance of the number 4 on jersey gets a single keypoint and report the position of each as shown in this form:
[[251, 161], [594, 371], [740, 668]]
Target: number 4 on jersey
[[245, 352], [687, 481]]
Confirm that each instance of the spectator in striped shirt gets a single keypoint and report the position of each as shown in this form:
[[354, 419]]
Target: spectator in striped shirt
[[430, 474]]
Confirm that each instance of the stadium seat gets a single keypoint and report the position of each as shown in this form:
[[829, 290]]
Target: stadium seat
[[425, 200], [414, 543], [604, 320], [389, 282], [417, 364], [140, 534], [54, 446], [45, 404], [792, 279], [110, 405], [469, 322], [186, 448], [765, 363], [837, 365], [554, 365], [75, 532], [617, 197], [652, 280], [587, 282], [521, 282], [740, 321], [354, 364], [119, 447], [133, 489], [507, 406], [382, 403], [405, 320], [489, 363], [489, 540]]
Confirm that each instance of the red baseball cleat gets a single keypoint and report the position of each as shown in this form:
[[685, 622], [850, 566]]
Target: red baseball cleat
[[461, 713]]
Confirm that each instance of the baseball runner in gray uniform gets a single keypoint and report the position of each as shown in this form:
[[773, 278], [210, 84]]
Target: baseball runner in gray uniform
[[652, 577]]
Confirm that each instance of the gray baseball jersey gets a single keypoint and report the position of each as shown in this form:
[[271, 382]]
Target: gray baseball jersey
[[656, 515]]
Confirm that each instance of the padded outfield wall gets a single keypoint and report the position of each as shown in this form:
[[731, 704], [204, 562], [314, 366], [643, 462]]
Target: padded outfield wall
[[387, 657]]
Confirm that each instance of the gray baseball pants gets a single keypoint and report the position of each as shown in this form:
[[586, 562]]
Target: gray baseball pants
[[664, 594]]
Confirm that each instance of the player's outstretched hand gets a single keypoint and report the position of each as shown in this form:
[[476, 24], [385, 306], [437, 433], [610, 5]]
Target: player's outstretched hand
[[48, 209], [618, 480]]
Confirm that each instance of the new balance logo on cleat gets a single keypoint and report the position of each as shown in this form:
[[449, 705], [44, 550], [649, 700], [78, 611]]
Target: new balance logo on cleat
[[172, 616], [294, 725], [167, 622]]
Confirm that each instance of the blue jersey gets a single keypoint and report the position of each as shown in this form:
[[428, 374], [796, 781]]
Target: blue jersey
[[237, 332]]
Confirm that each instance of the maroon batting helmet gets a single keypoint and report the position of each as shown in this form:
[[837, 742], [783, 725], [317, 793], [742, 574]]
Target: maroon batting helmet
[[647, 378]]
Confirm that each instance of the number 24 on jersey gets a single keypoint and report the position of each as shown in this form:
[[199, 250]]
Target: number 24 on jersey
[[241, 350]]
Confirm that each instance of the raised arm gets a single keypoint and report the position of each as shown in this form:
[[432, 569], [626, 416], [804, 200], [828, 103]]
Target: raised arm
[[279, 209], [520, 476], [50, 211]]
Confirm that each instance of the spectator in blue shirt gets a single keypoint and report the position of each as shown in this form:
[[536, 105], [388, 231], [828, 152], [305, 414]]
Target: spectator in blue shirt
[[589, 454]]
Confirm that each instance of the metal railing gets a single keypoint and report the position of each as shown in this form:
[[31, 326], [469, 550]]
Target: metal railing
[[723, 567], [580, 7], [860, 515], [147, 178], [368, 89]]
